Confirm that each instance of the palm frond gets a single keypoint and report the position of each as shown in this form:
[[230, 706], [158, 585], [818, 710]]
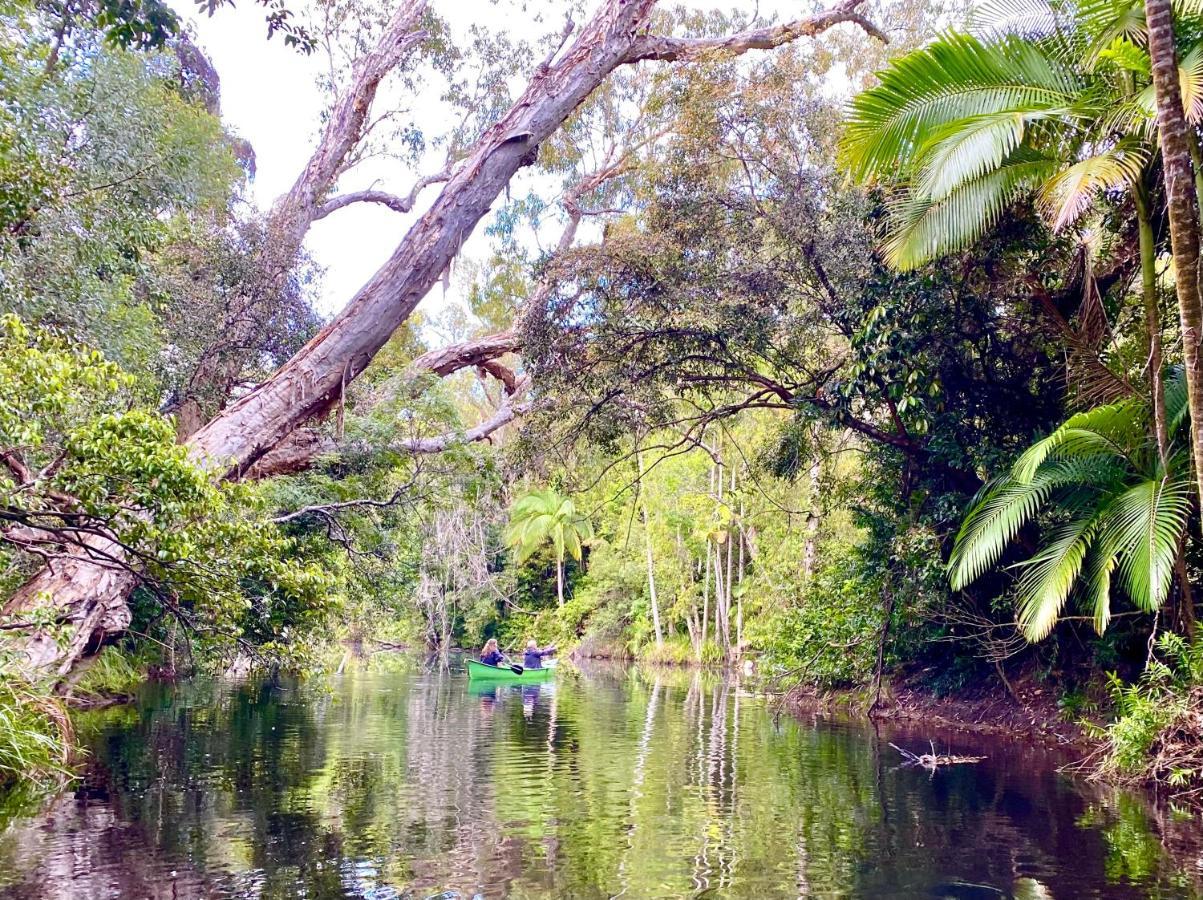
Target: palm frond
[[924, 229], [1049, 576], [1190, 79], [1176, 408], [955, 78], [995, 517], [1105, 21], [1028, 18], [966, 150], [1146, 523], [1101, 431], [1100, 566], [1066, 196]]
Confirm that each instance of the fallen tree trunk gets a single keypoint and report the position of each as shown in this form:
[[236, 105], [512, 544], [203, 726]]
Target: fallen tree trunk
[[315, 378]]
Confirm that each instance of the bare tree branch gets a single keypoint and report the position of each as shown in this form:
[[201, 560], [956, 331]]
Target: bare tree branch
[[505, 414], [670, 49], [392, 201]]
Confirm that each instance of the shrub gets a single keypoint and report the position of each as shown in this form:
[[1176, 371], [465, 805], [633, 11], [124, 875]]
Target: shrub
[[1157, 732]]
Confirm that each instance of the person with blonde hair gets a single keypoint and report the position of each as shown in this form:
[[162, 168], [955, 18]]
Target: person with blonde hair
[[491, 655], [533, 658]]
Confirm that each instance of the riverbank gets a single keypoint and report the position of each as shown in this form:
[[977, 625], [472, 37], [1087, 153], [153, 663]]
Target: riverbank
[[1029, 711], [1032, 714]]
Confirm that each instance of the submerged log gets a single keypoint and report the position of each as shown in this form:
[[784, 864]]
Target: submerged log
[[933, 759]]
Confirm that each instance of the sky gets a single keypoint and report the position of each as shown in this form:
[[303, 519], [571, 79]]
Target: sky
[[271, 98]]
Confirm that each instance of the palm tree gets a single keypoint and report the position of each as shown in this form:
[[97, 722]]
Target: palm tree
[[1177, 144], [1117, 508], [1063, 112], [543, 516]]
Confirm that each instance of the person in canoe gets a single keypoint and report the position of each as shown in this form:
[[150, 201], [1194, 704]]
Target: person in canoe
[[491, 655], [533, 658]]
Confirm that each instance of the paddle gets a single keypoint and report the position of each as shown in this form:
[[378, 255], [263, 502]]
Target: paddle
[[516, 669]]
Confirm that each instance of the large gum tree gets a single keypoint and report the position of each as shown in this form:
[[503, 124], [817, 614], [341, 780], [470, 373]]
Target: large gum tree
[[88, 595]]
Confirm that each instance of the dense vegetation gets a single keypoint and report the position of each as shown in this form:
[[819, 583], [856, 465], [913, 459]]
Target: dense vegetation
[[929, 424]]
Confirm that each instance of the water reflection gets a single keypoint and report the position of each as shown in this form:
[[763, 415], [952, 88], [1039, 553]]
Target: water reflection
[[598, 784]]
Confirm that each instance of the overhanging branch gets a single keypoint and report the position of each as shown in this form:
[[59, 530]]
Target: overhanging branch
[[671, 49]]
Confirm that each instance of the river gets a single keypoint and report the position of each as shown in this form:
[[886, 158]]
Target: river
[[599, 784]]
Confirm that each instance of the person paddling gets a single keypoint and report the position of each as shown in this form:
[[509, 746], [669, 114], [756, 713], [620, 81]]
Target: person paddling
[[491, 655], [533, 658]]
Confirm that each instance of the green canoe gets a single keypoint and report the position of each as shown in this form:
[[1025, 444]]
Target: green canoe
[[478, 671]]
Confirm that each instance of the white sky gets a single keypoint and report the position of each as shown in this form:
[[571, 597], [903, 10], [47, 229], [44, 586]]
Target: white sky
[[270, 97]]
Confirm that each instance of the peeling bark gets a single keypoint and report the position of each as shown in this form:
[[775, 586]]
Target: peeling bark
[[294, 212]]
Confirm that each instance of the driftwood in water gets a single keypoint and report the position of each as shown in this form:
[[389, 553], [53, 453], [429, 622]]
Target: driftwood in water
[[934, 759]]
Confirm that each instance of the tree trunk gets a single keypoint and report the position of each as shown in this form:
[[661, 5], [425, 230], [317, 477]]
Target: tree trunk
[[651, 567], [730, 577], [1185, 613], [705, 602], [810, 549], [739, 617], [1148, 280], [292, 215], [560, 582], [879, 664], [309, 383], [1183, 211]]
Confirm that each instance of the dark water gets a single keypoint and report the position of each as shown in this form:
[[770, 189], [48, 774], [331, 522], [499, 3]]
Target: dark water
[[596, 785]]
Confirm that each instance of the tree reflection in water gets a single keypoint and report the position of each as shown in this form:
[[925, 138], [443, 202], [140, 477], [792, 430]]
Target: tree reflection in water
[[603, 782]]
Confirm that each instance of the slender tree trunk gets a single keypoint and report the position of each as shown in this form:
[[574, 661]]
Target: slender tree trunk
[[1152, 310], [1186, 596], [1183, 211], [810, 549], [647, 543], [739, 617], [730, 577], [879, 665], [560, 582], [705, 602]]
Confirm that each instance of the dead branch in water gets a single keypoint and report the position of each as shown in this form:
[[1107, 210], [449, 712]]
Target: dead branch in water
[[934, 759]]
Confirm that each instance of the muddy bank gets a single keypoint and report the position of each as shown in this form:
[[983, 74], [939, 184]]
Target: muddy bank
[[1031, 715]]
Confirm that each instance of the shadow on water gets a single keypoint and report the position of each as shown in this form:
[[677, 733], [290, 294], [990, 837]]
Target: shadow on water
[[602, 782]]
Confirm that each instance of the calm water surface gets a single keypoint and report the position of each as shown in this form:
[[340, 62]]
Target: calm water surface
[[599, 784]]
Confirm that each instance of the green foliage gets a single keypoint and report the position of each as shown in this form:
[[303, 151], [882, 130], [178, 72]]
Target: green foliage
[[1155, 731], [543, 517], [35, 737], [106, 163], [828, 639], [1118, 511], [678, 651], [967, 126], [114, 672], [88, 469]]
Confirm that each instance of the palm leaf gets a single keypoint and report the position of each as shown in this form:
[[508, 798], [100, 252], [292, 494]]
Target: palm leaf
[[1146, 524], [1103, 431], [1100, 566], [1049, 576], [1069, 194], [1000, 510], [1176, 408], [924, 229], [955, 78], [966, 150]]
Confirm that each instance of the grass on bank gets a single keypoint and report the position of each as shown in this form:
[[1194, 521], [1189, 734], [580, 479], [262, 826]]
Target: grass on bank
[[36, 737]]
